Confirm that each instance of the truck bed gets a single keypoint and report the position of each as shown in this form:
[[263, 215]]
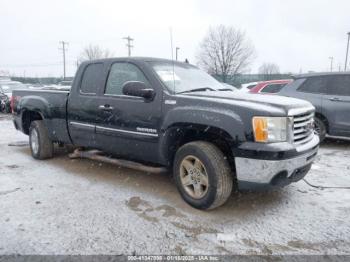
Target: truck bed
[[54, 101]]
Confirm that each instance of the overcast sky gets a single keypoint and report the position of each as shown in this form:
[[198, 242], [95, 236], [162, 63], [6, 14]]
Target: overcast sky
[[296, 35]]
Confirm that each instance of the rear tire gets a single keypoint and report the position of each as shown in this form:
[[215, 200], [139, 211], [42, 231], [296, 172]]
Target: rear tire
[[40, 143], [195, 161], [320, 129]]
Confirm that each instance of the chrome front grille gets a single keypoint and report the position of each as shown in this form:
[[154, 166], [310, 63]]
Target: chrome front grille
[[303, 128]]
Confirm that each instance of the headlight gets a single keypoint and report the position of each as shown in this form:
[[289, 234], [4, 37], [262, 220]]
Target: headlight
[[271, 129]]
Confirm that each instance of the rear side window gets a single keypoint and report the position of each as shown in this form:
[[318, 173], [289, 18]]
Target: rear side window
[[314, 85], [339, 85], [121, 73], [272, 88], [92, 78], [250, 87]]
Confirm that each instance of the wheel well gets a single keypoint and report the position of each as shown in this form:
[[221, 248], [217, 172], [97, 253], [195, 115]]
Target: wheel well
[[183, 134], [27, 118], [323, 119]]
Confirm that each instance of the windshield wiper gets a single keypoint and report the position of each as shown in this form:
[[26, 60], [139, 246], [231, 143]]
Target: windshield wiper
[[197, 90]]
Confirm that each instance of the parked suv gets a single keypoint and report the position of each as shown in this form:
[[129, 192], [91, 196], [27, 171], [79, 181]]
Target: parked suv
[[330, 94]]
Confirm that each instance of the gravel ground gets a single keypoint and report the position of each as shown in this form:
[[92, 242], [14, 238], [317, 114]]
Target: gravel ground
[[64, 206]]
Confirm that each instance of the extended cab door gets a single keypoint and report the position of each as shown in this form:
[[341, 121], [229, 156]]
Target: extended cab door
[[130, 125], [336, 105], [83, 104]]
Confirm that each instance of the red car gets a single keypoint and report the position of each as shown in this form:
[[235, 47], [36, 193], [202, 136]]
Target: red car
[[272, 86]]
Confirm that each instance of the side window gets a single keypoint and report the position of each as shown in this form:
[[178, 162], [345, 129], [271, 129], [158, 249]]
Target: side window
[[92, 78], [339, 85], [314, 85], [250, 87], [273, 88], [121, 73]]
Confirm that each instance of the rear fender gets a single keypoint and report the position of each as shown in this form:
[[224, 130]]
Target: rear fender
[[36, 104]]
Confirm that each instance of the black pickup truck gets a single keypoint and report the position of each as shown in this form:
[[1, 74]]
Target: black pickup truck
[[169, 114]]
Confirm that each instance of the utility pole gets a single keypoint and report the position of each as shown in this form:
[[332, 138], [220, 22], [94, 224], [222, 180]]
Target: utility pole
[[129, 40], [176, 52], [64, 44], [331, 58], [347, 52]]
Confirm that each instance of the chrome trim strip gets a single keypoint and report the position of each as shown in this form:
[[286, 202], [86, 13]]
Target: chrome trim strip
[[170, 102], [45, 90], [300, 119], [303, 135], [80, 124], [301, 124], [298, 111], [113, 129], [126, 131], [310, 144], [304, 140]]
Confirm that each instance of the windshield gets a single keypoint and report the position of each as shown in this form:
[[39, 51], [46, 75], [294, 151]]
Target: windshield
[[9, 87], [184, 77]]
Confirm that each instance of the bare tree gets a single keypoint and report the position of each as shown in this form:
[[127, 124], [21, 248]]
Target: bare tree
[[225, 51], [268, 69], [92, 52]]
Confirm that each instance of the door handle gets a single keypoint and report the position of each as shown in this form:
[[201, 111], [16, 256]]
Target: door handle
[[335, 99], [105, 107]]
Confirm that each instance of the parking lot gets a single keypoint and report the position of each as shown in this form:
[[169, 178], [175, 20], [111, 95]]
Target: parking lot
[[64, 206]]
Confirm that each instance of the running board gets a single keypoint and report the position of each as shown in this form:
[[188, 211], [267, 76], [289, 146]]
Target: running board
[[98, 155]]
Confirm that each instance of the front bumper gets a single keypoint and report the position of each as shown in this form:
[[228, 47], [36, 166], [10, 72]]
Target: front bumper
[[260, 171]]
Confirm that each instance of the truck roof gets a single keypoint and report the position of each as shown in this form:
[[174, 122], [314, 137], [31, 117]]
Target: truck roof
[[137, 58]]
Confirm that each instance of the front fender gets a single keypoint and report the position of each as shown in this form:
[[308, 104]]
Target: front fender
[[224, 119]]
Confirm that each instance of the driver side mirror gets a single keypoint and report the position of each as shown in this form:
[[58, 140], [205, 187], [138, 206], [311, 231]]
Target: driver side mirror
[[139, 89]]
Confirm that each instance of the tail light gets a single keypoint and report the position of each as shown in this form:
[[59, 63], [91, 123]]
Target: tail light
[[12, 103]]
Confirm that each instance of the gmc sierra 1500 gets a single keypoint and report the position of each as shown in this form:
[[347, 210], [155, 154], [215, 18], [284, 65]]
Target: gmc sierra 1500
[[164, 113]]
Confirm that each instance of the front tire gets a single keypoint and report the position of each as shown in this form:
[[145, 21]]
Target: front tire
[[203, 175], [320, 129], [40, 143]]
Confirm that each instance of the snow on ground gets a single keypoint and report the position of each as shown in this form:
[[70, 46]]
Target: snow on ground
[[63, 206]]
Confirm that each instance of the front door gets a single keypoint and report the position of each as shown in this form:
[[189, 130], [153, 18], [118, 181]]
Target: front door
[[130, 125]]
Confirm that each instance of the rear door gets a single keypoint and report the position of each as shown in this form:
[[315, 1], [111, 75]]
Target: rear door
[[336, 105], [130, 125]]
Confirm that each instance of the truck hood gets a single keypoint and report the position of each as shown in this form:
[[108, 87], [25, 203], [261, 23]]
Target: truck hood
[[286, 103]]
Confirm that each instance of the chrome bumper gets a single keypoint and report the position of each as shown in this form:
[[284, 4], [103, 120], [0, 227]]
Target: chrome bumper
[[259, 171]]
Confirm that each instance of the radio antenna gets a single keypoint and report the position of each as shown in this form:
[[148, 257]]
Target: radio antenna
[[172, 55]]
